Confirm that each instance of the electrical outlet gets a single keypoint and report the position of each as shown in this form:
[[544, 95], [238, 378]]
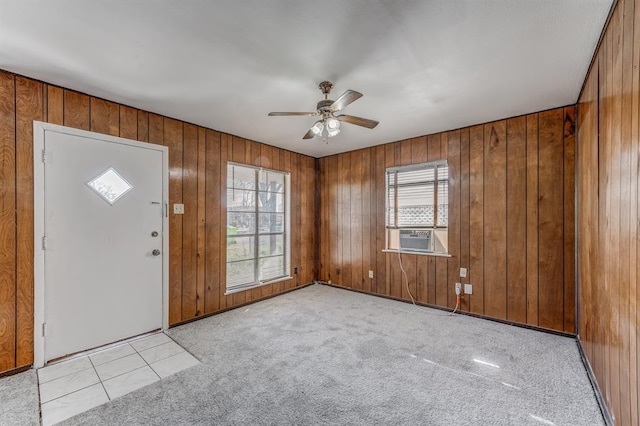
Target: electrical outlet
[[468, 289], [178, 209], [295, 270], [458, 288], [463, 272], [370, 273]]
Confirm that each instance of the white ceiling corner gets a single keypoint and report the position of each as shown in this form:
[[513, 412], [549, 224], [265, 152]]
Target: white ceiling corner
[[423, 66]]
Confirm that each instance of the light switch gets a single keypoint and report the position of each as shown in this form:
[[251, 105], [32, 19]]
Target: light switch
[[463, 272], [370, 273], [178, 209]]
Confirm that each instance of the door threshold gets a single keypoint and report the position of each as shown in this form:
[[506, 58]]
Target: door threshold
[[96, 349]]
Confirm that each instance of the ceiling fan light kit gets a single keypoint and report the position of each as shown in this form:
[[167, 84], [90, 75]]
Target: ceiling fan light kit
[[326, 108]]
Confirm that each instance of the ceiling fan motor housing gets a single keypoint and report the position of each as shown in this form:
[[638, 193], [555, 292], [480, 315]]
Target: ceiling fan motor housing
[[323, 105]]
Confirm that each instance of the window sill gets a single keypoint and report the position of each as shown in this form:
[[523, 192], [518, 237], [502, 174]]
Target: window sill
[[260, 284], [418, 253]]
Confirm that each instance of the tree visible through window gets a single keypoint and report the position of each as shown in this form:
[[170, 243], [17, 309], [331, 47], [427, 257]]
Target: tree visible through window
[[257, 222]]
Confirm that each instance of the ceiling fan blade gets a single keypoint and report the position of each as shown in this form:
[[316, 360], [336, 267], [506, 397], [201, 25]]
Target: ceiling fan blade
[[358, 121], [284, 114], [309, 135], [345, 99]]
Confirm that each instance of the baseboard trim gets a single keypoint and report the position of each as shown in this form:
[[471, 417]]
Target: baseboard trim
[[606, 415], [15, 371], [239, 306], [470, 314]]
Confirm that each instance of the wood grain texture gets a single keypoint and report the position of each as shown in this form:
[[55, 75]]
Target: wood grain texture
[[550, 228], [173, 138], [607, 144], [7, 222], [55, 105], [105, 117], [189, 293], [517, 219], [495, 213], [77, 110], [29, 107], [494, 226], [128, 123], [197, 179]]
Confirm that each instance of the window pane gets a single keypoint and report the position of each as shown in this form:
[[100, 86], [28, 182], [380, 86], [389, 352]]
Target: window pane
[[271, 245], [272, 267], [415, 205], [443, 203], [241, 177], [271, 181], [241, 201], [416, 176], [240, 248], [239, 273], [271, 222], [271, 202], [391, 196], [241, 223]]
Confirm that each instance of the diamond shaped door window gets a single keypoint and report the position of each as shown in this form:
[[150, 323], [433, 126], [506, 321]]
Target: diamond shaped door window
[[110, 185]]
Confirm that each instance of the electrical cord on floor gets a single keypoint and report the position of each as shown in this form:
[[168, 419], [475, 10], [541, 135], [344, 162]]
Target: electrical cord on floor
[[406, 279], [457, 305]]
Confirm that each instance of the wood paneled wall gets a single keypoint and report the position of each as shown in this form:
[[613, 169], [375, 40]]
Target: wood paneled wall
[[197, 158], [511, 220], [608, 149]]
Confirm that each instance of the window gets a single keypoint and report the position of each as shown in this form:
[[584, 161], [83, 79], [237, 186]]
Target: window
[[257, 227], [417, 207]]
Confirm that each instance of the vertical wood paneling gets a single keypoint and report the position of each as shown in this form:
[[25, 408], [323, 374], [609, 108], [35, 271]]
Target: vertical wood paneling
[[7, 222], [128, 122], [517, 219], [173, 138], [197, 179], [569, 220], [465, 210], [532, 219], [495, 212], [29, 107], [607, 145], [105, 117], [143, 126], [190, 223], [201, 226], [76, 110], [453, 161], [55, 105], [550, 174], [475, 274], [213, 230], [494, 224], [356, 219]]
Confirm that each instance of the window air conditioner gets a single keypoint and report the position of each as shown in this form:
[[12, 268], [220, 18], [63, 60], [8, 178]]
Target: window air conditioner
[[417, 240]]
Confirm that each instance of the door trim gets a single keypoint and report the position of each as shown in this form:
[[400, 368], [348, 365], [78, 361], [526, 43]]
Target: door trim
[[39, 131]]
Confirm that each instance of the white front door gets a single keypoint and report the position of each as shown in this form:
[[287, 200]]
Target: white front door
[[103, 209]]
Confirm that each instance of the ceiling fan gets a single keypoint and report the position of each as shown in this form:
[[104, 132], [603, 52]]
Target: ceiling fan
[[326, 109]]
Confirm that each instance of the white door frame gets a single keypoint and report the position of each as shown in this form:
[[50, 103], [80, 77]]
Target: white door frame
[[39, 129]]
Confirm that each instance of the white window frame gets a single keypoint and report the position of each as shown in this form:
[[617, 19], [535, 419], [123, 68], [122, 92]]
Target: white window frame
[[392, 230], [256, 235]]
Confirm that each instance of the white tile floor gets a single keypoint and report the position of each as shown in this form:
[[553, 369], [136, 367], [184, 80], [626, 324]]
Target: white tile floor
[[72, 387]]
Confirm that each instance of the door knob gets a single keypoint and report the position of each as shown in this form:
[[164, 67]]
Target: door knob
[[155, 252], [154, 234]]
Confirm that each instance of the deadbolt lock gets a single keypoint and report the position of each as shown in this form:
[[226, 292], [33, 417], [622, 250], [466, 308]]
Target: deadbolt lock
[[155, 252], [154, 234]]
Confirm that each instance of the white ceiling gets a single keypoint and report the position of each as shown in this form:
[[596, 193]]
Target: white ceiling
[[423, 66]]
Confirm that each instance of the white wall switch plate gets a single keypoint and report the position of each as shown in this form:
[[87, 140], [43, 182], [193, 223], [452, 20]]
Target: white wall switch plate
[[463, 272], [468, 289], [370, 273], [178, 209]]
